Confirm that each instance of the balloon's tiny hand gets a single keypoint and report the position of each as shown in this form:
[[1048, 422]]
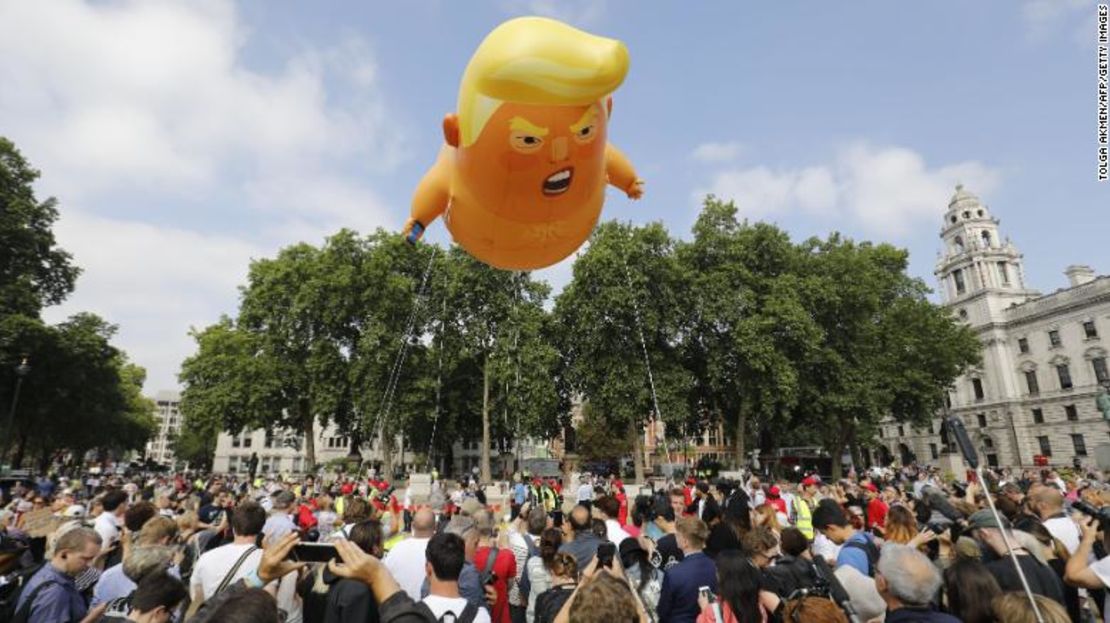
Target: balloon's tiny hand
[[413, 231], [636, 189]]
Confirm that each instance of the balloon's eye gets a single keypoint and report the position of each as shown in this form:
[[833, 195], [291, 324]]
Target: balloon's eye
[[586, 133], [525, 143]]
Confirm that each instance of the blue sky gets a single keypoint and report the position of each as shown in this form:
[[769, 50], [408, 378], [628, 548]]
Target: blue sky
[[182, 139]]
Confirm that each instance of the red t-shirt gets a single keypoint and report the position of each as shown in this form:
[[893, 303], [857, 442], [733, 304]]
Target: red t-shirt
[[622, 516], [778, 503], [876, 513], [505, 568]]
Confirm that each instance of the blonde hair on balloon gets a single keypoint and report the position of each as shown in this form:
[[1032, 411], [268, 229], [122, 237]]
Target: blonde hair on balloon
[[535, 60]]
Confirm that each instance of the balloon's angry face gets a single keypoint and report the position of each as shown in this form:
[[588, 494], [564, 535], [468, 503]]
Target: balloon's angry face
[[533, 163]]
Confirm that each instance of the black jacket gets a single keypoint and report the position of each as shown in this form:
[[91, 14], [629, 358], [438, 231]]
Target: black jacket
[[788, 575], [550, 602], [349, 601]]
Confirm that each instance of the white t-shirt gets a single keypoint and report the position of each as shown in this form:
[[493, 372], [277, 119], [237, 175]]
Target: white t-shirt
[[213, 566], [442, 605], [406, 564], [1065, 530], [108, 529], [614, 532], [585, 493]]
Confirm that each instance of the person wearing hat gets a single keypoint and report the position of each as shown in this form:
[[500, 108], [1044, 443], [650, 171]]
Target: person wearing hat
[[876, 509], [803, 506], [985, 529]]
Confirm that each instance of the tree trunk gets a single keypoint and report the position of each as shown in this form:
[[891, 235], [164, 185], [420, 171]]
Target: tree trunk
[[386, 442], [837, 451], [636, 442], [741, 426], [20, 449], [484, 459], [305, 408]]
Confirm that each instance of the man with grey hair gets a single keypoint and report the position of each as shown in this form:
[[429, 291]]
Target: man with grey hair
[[908, 582], [140, 562], [280, 523]]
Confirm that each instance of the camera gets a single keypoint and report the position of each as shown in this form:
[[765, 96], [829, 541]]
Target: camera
[[1101, 514]]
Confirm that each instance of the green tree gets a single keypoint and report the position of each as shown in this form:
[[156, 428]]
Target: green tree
[[598, 438], [885, 349], [747, 324], [627, 287]]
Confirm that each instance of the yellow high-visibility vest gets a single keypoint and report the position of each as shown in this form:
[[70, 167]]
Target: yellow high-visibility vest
[[803, 517]]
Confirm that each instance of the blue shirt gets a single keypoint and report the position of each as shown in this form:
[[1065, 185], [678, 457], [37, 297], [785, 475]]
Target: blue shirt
[[678, 599], [855, 557], [60, 602], [113, 584], [519, 493]]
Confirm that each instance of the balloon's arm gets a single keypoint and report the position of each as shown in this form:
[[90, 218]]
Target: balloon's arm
[[621, 172], [432, 195]]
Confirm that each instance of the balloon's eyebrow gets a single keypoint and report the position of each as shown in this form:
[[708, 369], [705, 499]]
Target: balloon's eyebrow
[[520, 124], [588, 117]]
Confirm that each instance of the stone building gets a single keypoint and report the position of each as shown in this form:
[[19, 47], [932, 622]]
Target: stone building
[[1044, 356], [167, 414]]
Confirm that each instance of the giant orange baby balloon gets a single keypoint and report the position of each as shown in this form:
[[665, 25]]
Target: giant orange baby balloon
[[522, 177]]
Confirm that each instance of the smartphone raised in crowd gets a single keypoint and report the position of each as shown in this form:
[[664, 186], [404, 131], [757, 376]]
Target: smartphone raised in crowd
[[605, 553], [313, 552]]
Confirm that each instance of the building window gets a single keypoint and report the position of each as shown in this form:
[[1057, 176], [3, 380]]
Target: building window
[[958, 276], [1054, 338], [1023, 345], [901, 431], [1038, 416], [297, 464], [269, 443], [982, 418], [986, 235], [1065, 376], [977, 387], [1079, 445], [933, 450], [988, 443], [1089, 329], [232, 464], [246, 441], [1004, 273], [992, 460], [1071, 412], [1046, 448], [1099, 364], [235, 442], [1031, 382]]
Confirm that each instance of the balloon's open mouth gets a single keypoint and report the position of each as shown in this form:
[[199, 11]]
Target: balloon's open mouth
[[559, 182]]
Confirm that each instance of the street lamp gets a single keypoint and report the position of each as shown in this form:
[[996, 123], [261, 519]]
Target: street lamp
[[22, 370]]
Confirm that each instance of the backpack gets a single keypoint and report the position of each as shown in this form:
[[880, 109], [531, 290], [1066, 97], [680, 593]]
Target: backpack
[[469, 613], [525, 583], [11, 591], [868, 546], [487, 573]]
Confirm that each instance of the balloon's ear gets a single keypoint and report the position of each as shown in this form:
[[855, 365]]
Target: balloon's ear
[[609, 106], [451, 129]]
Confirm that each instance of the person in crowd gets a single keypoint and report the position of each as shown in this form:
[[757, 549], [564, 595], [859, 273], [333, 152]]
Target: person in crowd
[[908, 583], [666, 546], [1014, 607], [646, 580], [325, 516], [110, 519], [741, 597], [585, 493], [580, 541], [705, 506], [564, 582], [794, 568], [678, 599], [1054, 554], [540, 569], [677, 497], [803, 506], [603, 597], [222, 566], [765, 516], [140, 562], [857, 548], [862, 593], [524, 540], [609, 509], [813, 610], [445, 558], [875, 508], [1042, 580], [1047, 503], [357, 510], [51, 595], [280, 522], [900, 526], [496, 565], [351, 601], [155, 600], [969, 589], [406, 560]]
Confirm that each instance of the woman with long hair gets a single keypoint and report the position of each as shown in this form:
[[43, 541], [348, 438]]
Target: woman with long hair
[[741, 599], [646, 580], [901, 525], [539, 567], [564, 579], [766, 516], [969, 588]]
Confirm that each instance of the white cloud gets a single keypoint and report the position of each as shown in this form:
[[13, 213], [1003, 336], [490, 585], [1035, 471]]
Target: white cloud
[[1043, 18], [716, 152], [154, 282], [885, 190], [156, 95], [154, 102]]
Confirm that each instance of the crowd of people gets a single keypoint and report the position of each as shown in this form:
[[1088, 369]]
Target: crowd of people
[[892, 545]]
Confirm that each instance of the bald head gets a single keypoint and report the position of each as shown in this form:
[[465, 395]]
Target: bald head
[[580, 519], [1047, 501], [908, 577], [423, 523]]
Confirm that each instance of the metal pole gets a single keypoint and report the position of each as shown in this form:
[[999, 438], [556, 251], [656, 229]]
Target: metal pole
[[1010, 549], [9, 431]]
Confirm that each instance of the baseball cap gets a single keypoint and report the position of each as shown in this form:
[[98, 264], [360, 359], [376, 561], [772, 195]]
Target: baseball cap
[[810, 481], [870, 486], [984, 519], [774, 491]]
